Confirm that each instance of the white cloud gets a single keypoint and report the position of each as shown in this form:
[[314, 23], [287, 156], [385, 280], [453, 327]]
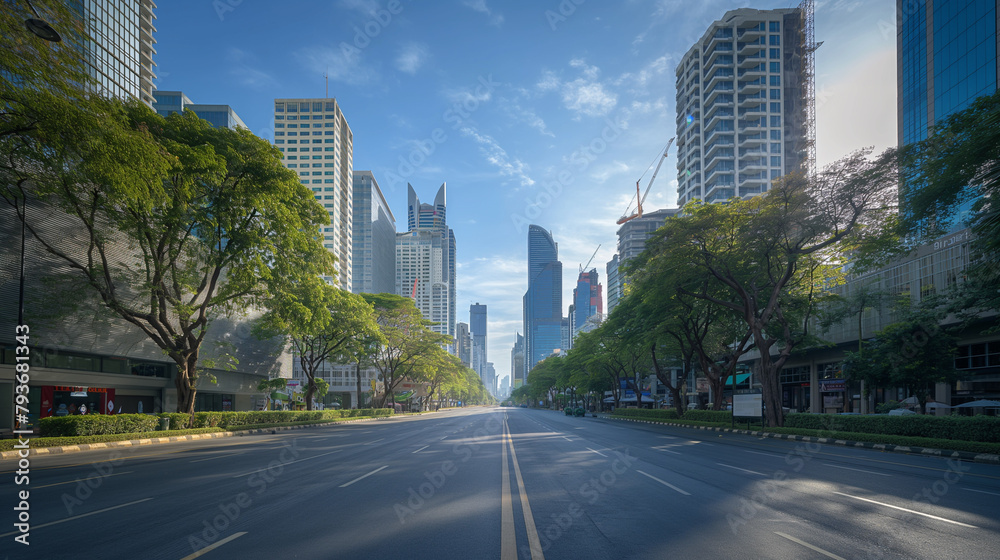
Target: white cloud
[[341, 65], [412, 57], [586, 95], [481, 7], [246, 74], [497, 156]]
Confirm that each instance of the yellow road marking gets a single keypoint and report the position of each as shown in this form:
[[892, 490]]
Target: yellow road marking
[[212, 547]]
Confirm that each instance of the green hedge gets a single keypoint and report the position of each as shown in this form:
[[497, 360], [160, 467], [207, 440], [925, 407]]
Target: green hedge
[[101, 424], [8, 444], [97, 424], [657, 414], [965, 428]]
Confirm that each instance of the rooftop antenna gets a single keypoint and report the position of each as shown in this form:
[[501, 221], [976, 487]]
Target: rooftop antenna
[[327, 77]]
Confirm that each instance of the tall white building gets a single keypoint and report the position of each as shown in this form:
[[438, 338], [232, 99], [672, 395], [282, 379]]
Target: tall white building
[[744, 106], [316, 142], [374, 238], [425, 262]]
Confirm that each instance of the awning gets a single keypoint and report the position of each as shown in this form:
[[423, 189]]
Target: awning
[[739, 379]]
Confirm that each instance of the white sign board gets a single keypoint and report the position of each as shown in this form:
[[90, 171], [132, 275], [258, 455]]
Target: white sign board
[[748, 405]]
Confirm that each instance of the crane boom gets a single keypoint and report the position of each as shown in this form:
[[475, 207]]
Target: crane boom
[[584, 267], [640, 200]]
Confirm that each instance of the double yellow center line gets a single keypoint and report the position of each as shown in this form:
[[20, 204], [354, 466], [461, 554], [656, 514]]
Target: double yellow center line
[[508, 538]]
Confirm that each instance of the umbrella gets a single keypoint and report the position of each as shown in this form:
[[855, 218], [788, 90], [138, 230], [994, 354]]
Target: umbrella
[[910, 400], [980, 403]]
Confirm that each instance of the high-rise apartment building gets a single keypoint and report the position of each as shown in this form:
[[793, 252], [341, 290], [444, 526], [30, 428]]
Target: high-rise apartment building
[[374, 238], [543, 320], [425, 261], [477, 324], [947, 55], [744, 112], [317, 144], [221, 116]]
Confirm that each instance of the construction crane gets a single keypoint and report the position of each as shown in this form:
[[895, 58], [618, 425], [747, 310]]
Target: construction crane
[[638, 214], [584, 267]]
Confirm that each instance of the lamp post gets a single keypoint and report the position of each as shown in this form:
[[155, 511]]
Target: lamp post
[[42, 30]]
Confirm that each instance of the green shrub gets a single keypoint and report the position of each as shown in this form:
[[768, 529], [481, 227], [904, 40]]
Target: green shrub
[[97, 424], [964, 428], [178, 420], [709, 415], [658, 413]]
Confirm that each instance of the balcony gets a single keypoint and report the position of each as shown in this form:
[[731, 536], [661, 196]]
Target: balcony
[[755, 30], [752, 124], [754, 45], [755, 70], [753, 164], [717, 112], [752, 139], [718, 143], [747, 86], [744, 97], [748, 59]]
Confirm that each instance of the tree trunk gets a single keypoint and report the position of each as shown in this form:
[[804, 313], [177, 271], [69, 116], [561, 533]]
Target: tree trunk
[[185, 384], [357, 370]]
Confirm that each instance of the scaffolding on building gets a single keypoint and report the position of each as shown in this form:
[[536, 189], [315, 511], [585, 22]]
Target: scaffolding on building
[[809, 45]]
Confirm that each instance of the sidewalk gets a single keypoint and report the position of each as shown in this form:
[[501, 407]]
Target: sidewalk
[[169, 439], [984, 458]]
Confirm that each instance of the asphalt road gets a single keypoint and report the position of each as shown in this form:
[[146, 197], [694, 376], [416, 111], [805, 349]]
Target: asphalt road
[[501, 483]]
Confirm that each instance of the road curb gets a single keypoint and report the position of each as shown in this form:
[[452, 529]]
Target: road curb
[[984, 458], [56, 450]]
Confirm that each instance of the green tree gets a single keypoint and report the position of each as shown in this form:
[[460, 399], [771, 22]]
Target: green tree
[[914, 354], [409, 342], [321, 321], [206, 225]]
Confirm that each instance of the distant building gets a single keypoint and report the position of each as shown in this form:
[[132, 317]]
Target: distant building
[[477, 326], [317, 144], [425, 261], [587, 301], [373, 238], [221, 116], [543, 320], [614, 283], [490, 381], [517, 371], [463, 344]]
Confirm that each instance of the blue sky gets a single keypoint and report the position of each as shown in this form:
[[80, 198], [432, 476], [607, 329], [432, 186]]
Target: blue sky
[[541, 112]]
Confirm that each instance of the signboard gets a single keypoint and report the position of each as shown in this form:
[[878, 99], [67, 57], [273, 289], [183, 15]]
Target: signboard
[[832, 385], [748, 405]]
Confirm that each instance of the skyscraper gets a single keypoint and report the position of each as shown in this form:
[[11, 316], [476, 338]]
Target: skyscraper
[[477, 324], [425, 261], [614, 283], [119, 51], [587, 302], [947, 55], [463, 344], [373, 237], [221, 116], [744, 110], [517, 373], [317, 143], [543, 320]]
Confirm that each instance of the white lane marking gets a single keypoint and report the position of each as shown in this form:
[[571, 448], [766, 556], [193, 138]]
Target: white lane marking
[[442, 439], [596, 451], [567, 439], [663, 482], [666, 437], [289, 463], [79, 516], [739, 469], [762, 453], [421, 449], [374, 441], [75, 480], [858, 470], [219, 457], [907, 510], [809, 546], [981, 491], [212, 547], [362, 477], [667, 451]]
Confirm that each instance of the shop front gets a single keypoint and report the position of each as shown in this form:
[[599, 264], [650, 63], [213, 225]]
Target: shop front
[[65, 400]]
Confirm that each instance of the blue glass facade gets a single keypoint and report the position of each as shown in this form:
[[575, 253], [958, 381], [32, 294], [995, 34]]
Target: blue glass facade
[[220, 116], [947, 57], [543, 321]]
